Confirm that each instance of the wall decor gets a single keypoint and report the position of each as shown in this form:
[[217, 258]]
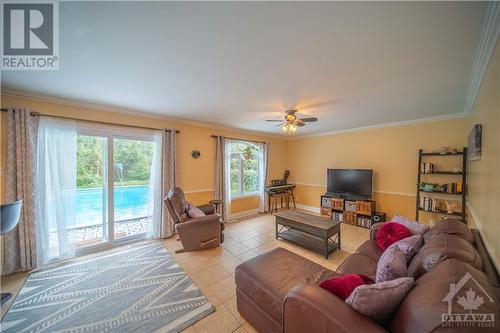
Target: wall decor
[[475, 142], [195, 154]]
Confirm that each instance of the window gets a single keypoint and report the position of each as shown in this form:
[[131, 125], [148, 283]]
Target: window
[[244, 168]]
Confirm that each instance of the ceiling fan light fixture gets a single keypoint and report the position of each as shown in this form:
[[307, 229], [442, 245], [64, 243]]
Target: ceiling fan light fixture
[[291, 122], [289, 128]]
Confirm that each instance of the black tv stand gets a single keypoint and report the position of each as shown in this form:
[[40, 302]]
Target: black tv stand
[[351, 211]]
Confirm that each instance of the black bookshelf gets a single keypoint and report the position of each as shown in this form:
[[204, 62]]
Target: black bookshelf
[[463, 174], [442, 173], [440, 192], [445, 154]]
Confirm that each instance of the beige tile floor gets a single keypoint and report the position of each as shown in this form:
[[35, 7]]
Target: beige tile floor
[[212, 270]]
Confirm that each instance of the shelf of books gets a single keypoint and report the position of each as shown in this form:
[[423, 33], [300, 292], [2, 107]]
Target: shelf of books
[[431, 191]]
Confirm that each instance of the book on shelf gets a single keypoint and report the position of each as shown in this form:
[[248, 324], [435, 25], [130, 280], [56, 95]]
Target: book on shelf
[[455, 188], [364, 222], [429, 204], [451, 188], [427, 167], [337, 216]]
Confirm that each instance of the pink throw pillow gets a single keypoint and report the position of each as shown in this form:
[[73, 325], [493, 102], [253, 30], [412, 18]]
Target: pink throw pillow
[[390, 233], [343, 286], [194, 211]]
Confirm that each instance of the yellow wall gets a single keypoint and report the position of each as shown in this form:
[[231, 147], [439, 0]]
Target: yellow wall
[[392, 152], [195, 175], [484, 178]]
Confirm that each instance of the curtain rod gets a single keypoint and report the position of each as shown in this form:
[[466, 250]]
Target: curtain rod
[[35, 114], [254, 141]]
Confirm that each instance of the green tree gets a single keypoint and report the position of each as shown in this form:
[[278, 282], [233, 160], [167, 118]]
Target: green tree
[[132, 160], [89, 159], [244, 164]]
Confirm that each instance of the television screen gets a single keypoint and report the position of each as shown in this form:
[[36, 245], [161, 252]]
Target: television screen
[[350, 181]]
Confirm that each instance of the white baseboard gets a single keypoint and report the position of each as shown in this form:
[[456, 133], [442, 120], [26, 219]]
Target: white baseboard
[[487, 244], [309, 208], [236, 216]]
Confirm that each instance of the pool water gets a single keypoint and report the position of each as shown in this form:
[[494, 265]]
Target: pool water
[[130, 202]]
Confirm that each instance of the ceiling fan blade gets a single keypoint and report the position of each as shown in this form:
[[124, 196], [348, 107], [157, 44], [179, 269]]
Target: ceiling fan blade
[[300, 123], [282, 123], [274, 120], [309, 120]]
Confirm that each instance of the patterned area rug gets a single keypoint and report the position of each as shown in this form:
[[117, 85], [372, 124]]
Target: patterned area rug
[[139, 289]]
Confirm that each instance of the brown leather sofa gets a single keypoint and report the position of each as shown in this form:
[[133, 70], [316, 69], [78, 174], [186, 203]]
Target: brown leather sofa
[[195, 233], [278, 291]]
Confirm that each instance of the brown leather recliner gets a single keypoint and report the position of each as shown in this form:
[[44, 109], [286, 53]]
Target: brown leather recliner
[[198, 232]]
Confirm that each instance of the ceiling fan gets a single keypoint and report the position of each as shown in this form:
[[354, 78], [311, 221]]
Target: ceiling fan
[[291, 122]]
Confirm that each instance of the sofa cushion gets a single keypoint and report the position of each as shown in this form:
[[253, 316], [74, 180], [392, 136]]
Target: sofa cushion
[[442, 247], [390, 233], [378, 301], [423, 307], [450, 227], [358, 263], [391, 265], [343, 286], [370, 249], [267, 278]]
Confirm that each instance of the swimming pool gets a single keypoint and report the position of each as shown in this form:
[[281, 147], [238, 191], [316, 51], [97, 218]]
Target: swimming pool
[[130, 202]]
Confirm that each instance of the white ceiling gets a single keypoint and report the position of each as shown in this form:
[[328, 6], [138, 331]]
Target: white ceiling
[[237, 64]]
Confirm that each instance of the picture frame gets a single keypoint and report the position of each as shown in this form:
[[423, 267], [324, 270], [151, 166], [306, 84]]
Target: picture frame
[[475, 143]]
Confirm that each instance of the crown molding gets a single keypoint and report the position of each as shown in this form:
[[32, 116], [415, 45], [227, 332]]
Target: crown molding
[[132, 112], [384, 125], [489, 36]]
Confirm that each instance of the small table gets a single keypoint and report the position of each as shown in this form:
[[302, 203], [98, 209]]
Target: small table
[[217, 203], [316, 233]]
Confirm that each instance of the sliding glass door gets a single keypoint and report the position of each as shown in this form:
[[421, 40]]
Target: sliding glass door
[[115, 190]]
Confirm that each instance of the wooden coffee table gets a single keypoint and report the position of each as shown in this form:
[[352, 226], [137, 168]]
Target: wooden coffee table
[[316, 233]]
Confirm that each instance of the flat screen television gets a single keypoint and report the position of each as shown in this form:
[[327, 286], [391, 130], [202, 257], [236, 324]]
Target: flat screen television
[[354, 182]]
